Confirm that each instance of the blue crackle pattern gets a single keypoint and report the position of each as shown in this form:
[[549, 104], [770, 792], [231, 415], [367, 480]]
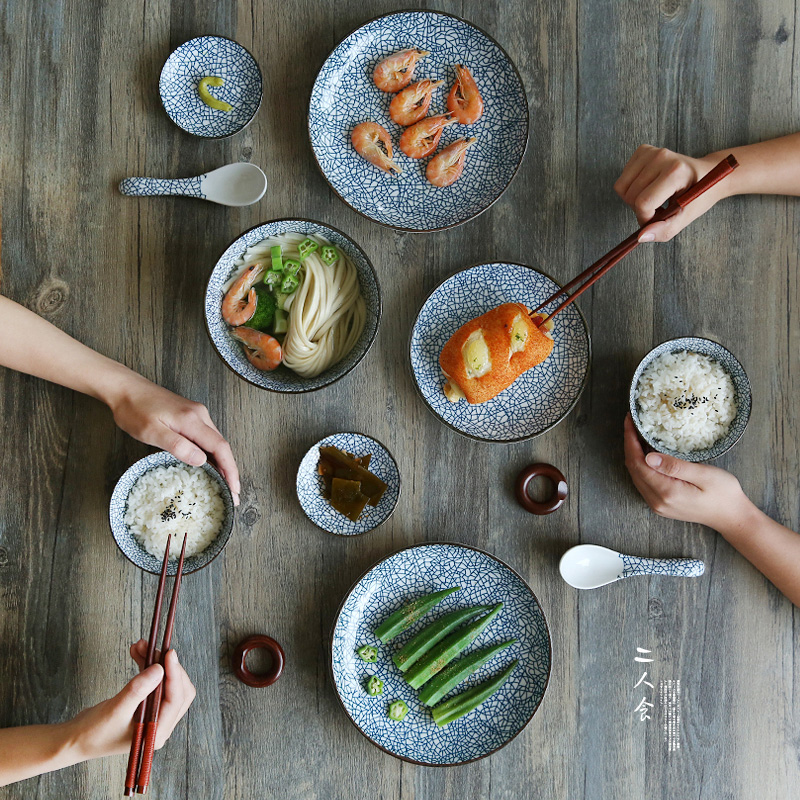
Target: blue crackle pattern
[[344, 94], [321, 512], [153, 187], [676, 567], [741, 386], [540, 397], [210, 56], [483, 579], [283, 379], [127, 542]]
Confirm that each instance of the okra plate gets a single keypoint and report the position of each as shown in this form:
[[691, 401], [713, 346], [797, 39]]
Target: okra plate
[[541, 397], [405, 576]]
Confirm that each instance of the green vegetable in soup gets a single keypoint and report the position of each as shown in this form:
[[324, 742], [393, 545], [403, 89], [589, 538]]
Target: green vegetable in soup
[[265, 309]]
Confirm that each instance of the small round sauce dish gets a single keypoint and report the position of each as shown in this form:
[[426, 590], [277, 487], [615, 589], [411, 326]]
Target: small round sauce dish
[[311, 487], [221, 70]]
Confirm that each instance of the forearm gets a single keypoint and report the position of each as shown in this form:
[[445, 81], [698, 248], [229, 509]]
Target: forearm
[[35, 749], [770, 547], [32, 345], [770, 167]]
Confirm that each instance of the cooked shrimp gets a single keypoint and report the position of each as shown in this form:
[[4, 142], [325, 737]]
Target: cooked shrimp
[[446, 166], [239, 304], [262, 350], [412, 104], [464, 100], [396, 71], [422, 138], [372, 141]]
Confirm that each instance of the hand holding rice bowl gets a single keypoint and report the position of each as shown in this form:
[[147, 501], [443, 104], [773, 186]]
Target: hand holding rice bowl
[[690, 398], [160, 495]]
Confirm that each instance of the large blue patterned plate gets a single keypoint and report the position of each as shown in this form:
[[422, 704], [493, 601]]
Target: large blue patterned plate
[[344, 95], [283, 379], [128, 543], [483, 579], [210, 56], [741, 387], [321, 512], [541, 397]]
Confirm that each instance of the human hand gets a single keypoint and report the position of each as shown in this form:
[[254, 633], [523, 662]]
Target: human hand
[[652, 176], [106, 729], [682, 490], [158, 417]]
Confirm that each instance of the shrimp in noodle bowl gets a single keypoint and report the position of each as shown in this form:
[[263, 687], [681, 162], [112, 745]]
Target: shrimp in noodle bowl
[[326, 313]]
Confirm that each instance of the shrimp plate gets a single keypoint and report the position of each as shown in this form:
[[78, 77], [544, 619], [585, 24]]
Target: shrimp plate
[[345, 95]]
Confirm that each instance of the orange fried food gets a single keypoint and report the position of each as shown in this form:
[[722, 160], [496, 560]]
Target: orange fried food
[[488, 353]]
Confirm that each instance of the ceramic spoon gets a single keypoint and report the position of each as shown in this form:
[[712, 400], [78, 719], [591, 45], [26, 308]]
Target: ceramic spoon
[[232, 185], [588, 566]]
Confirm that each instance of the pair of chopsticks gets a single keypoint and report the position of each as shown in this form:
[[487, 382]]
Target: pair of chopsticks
[[145, 720], [599, 268]]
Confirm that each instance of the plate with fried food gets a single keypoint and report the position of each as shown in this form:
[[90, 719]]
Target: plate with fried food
[[486, 366], [418, 120]]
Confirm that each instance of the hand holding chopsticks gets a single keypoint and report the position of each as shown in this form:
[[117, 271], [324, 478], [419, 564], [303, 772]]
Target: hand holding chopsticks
[[596, 271], [145, 721]]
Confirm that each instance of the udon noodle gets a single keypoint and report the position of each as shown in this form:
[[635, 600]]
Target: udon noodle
[[326, 313]]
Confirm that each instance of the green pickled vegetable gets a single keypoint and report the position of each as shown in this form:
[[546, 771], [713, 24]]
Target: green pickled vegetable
[[406, 616], [306, 248], [465, 702], [290, 284], [277, 258], [265, 309], [208, 98], [418, 645], [458, 671], [281, 324], [374, 686], [444, 652], [329, 255], [368, 653], [398, 710]]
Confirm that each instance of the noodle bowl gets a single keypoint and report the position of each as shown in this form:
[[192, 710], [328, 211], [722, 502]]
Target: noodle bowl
[[327, 312]]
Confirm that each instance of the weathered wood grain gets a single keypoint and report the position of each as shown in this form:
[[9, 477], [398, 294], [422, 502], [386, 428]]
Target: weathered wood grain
[[127, 277]]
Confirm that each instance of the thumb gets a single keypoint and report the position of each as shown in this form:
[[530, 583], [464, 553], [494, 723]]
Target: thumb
[[138, 689], [657, 232], [185, 450], [676, 468]]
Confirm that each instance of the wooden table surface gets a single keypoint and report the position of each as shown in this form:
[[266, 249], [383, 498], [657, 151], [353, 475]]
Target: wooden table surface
[[126, 276]]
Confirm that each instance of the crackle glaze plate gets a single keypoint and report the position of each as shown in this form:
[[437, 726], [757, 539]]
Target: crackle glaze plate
[[541, 397], [344, 94], [412, 573], [309, 485], [210, 56]]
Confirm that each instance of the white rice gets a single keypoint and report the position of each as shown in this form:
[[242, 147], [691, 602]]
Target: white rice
[[175, 500], [685, 401]]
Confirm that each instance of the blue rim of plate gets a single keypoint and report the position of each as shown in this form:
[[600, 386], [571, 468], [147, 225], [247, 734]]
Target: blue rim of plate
[[742, 389], [445, 139], [574, 312], [455, 728], [124, 539], [310, 493], [231, 252], [243, 125]]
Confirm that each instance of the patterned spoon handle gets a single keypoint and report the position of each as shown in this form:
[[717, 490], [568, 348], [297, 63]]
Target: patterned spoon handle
[[149, 187], [677, 567]]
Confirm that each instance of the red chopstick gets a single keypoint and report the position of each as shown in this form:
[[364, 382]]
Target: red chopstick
[[154, 705], [138, 718], [614, 256]]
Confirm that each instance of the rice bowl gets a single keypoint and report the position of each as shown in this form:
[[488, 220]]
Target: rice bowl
[[690, 398]]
